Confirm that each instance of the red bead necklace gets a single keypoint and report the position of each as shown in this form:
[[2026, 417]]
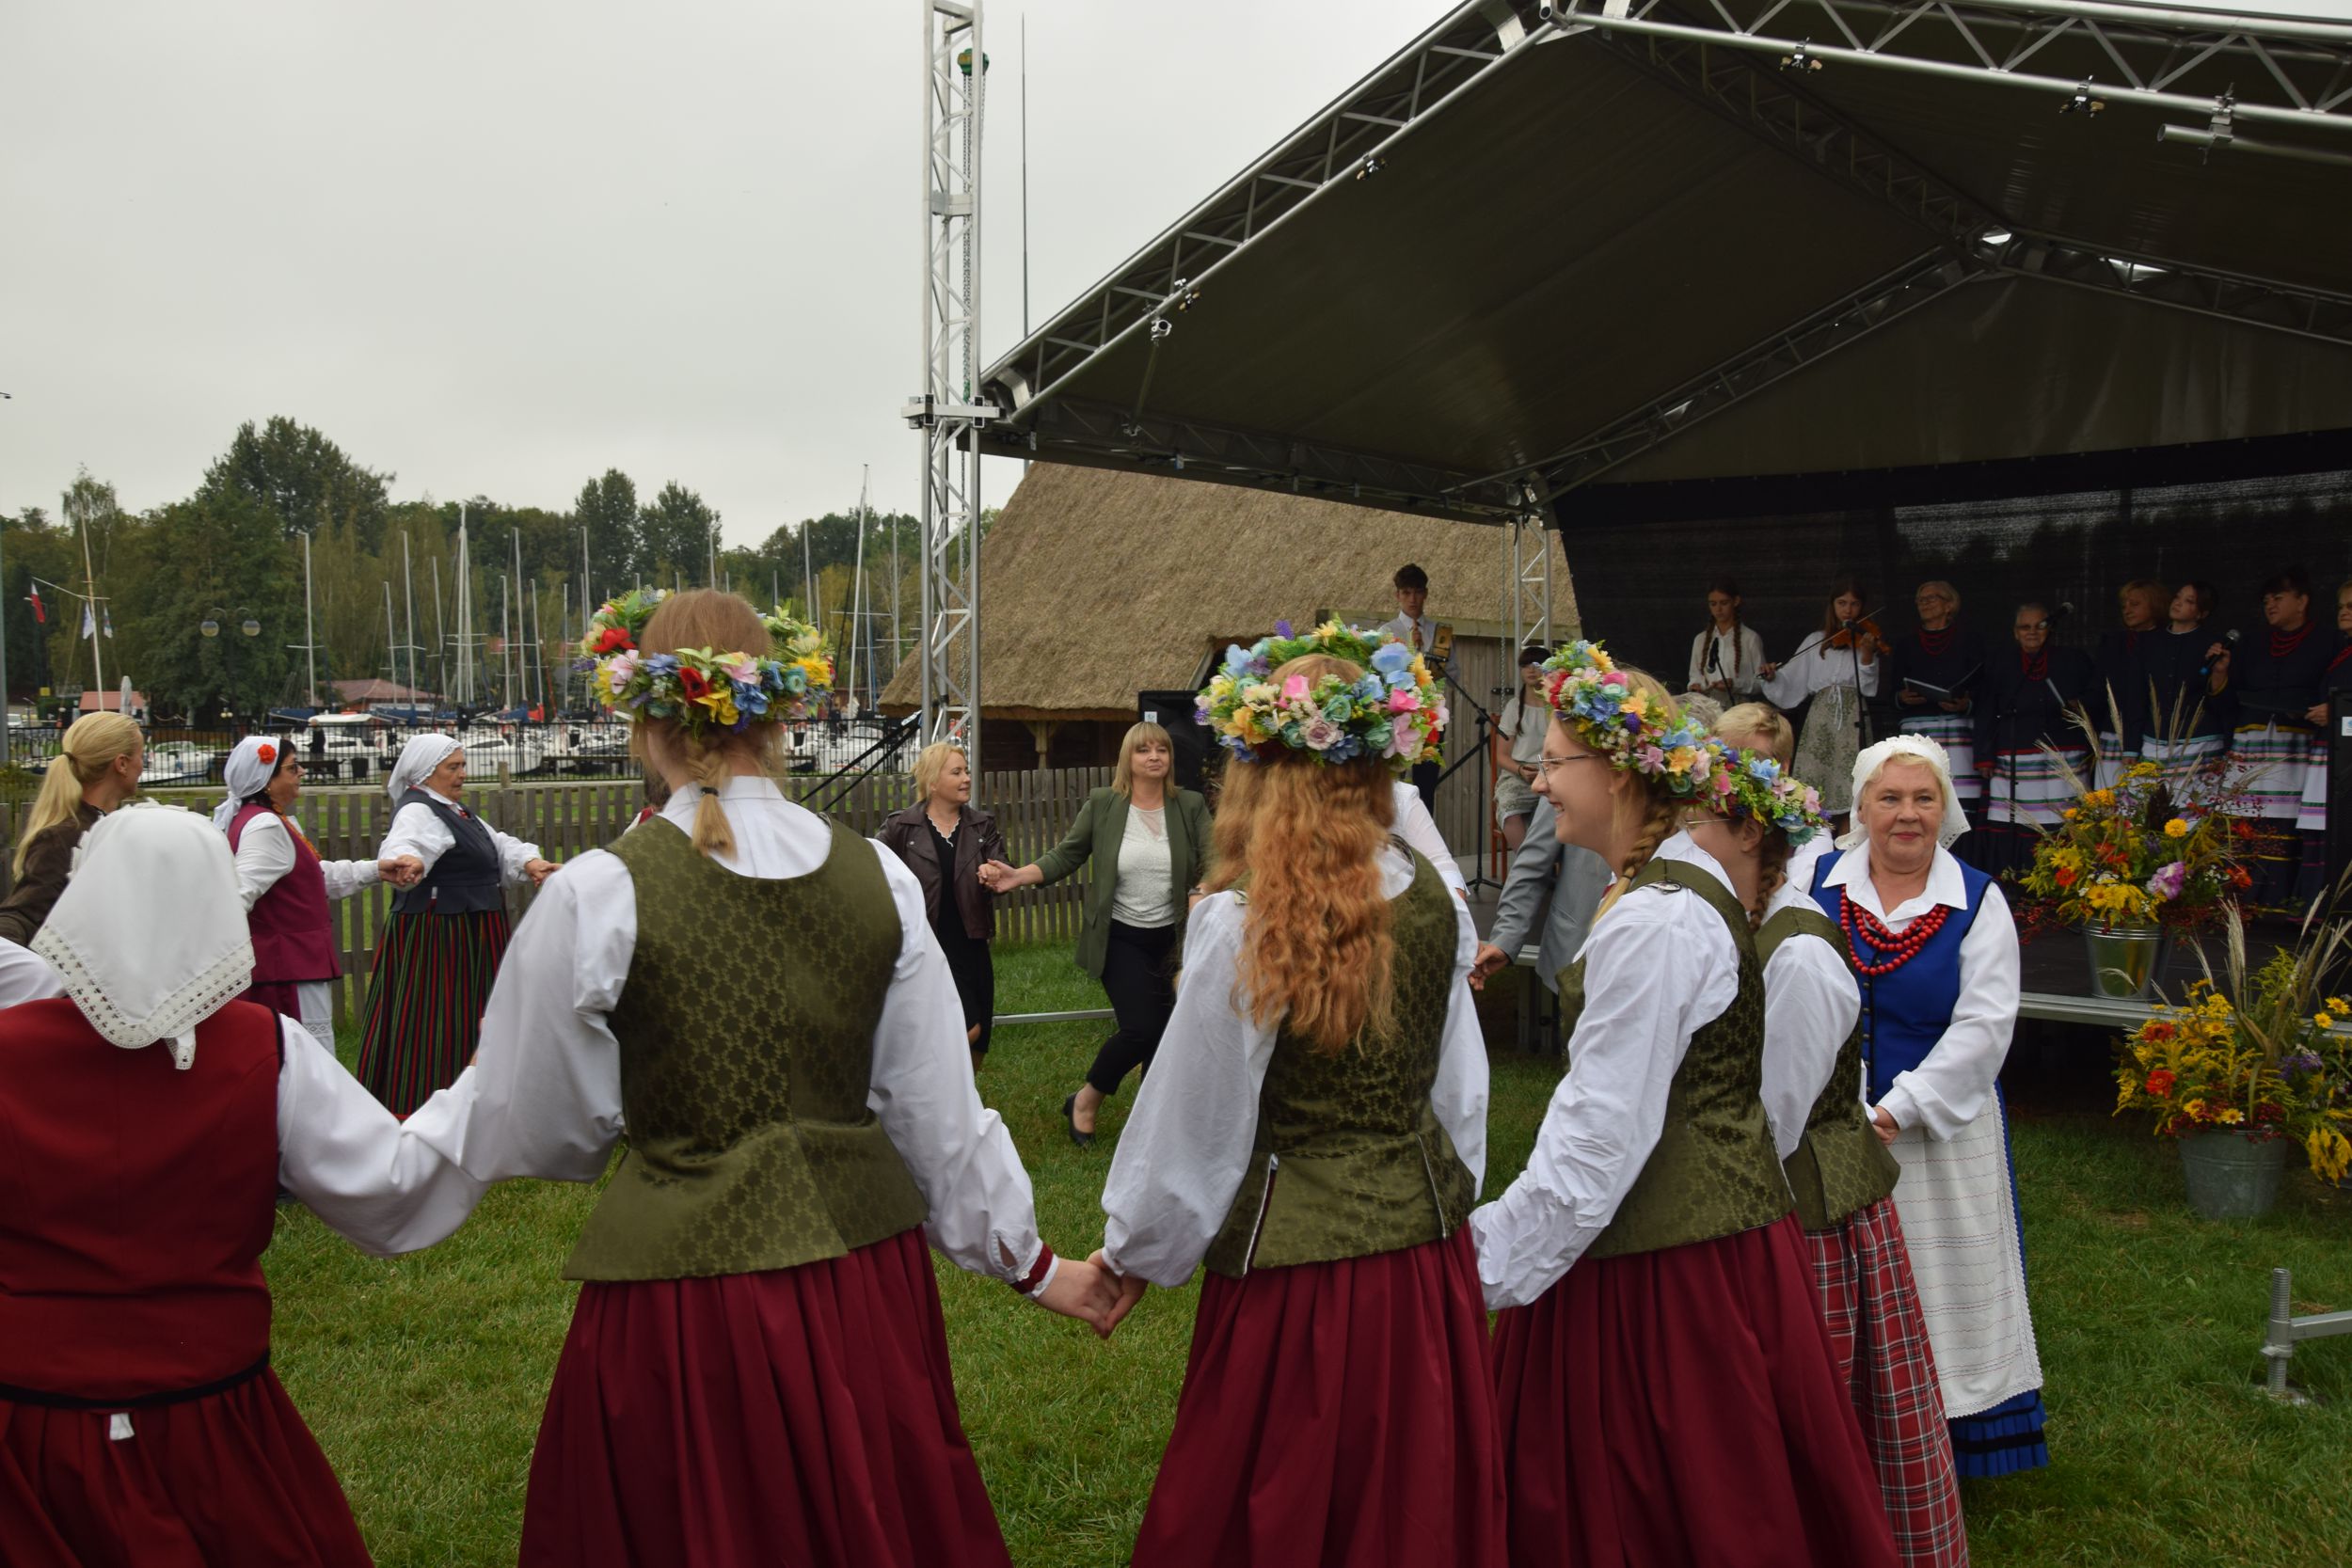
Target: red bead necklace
[[2285, 642], [1863, 929], [1934, 643]]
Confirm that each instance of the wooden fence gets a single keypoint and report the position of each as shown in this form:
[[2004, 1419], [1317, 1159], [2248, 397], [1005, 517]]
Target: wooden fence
[[1034, 808]]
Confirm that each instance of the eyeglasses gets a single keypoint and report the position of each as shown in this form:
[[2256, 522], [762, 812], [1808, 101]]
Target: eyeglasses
[[2033, 625], [1545, 764]]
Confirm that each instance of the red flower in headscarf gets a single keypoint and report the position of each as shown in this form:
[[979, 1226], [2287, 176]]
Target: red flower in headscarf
[[690, 681], [613, 639], [266, 751]]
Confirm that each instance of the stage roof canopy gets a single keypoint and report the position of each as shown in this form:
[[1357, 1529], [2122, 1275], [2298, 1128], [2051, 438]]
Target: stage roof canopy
[[1634, 241]]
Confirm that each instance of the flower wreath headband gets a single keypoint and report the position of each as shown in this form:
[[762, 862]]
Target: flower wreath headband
[[699, 688], [1637, 732], [1392, 713]]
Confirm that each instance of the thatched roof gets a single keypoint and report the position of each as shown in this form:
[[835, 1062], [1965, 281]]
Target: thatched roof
[[1097, 584]]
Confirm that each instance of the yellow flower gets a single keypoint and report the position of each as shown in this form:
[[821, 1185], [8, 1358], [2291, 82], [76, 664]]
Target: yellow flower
[[2337, 1004], [1680, 758], [2330, 1153], [2229, 1112], [2323, 1021], [2176, 829], [720, 700], [2194, 1108], [817, 668]]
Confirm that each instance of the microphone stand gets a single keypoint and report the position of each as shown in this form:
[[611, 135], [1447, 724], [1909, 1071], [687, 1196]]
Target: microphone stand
[[1478, 876], [1861, 704]]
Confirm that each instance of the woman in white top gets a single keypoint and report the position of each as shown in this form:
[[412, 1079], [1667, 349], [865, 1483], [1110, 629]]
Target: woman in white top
[[1836, 670], [286, 886], [440, 947], [1148, 843], [1519, 741], [1728, 658]]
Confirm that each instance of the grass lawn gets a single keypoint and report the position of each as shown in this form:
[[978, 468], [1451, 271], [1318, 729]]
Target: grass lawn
[[424, 1376]]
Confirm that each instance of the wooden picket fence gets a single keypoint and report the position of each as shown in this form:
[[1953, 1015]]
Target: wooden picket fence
[[1034, 808]]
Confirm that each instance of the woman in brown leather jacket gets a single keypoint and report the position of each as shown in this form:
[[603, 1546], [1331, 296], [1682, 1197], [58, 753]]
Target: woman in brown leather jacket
[[945, 841]]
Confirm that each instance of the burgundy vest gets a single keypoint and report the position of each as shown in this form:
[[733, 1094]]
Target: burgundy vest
[[294, 939], [134, 1204]]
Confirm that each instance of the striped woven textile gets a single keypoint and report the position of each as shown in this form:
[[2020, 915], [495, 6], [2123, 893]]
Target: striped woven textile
[[433, 977], [1880, 1333], [1958, 736], [2027, 791], [2279, 757]]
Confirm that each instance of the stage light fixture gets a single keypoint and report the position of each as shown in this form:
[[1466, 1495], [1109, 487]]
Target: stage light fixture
[[1371, 165], [1801, 59], [1161, 327], [2082, 101]]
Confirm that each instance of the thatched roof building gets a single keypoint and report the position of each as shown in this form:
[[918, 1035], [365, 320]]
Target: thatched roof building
[[1096, 585]]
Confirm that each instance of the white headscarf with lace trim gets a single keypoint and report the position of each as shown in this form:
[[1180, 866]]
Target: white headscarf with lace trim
[[150, 934], [1915, 748]]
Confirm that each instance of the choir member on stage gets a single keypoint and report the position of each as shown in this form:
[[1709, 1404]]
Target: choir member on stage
[[153, 1117], [99, 758], [1316, 1132], [1728, 658], [945, 840], [1843, 1177], [2030, 699], [1432, 641], [285, 886], [2277, 678], [1935, 951], [2118, 702], [1667, 1388], [756, 1370], [1935, 672], [440, 948], [1519, 739], [1147, 839], [1836, 670], [2187, 721]]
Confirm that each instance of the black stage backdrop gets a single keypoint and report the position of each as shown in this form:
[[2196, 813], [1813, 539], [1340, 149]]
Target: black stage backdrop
[[1641, 583]]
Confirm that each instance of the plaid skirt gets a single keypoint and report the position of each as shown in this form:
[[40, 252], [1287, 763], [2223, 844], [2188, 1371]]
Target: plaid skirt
[[433, 977], [1958, 736], [1879, 1334]]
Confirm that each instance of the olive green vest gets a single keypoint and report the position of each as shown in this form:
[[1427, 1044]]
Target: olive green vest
[[1714, 1171], [1349, 1158], [1840, 1166], [746, 1029]]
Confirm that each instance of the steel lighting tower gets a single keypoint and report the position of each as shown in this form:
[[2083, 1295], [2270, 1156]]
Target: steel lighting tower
[[955, 74], [1531, 584]]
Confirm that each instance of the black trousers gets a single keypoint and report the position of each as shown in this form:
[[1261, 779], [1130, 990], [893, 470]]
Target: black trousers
[[1139, 971]]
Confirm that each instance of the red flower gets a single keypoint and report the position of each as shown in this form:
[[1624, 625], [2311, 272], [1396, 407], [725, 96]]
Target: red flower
[[689, 680], [266, 751], [2160, 1083], [2269, 1112], [2157, 1031], [614, 640], [2065, 876]]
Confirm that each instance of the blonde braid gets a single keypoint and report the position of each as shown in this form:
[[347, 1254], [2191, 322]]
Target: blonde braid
[[711, 768], [1661, 817]]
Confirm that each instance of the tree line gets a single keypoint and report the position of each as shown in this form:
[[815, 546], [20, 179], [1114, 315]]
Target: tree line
[[232, 553]]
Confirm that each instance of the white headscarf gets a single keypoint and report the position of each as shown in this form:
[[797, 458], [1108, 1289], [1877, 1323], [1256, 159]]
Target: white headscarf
[[247, 772], [418, 758], [1916, 747], [150, 934]]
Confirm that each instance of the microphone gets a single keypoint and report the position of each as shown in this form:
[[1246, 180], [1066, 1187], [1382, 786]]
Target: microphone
[[1714, 659], [2228, 642], [2061, 612]]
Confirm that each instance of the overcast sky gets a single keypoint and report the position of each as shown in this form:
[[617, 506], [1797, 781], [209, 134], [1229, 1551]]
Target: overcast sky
[[497, 246]]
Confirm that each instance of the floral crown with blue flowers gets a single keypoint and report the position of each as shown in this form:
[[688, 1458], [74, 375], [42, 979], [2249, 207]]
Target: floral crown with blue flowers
[[1749, 786], [1391, 714], [698, 687]]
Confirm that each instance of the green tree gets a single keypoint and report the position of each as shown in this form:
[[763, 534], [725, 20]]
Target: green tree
[[305, 480], [606, 507], [675, 535], [222, 556]]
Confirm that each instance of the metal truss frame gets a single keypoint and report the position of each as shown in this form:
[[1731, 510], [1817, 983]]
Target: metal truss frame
[[947, 413], [1530, 581], [2296, 73], [1346, 142]]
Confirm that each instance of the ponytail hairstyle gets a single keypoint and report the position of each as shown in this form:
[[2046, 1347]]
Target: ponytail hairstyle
[[704, 618], [89, 746], [1303, 838]]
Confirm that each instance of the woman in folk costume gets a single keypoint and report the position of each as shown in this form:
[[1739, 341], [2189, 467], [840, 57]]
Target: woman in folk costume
[[1935, 951], [2030, 748], [441, 949], [285, 886], [1836, 671], [1842, 1176], [757, 1368], [1667, 1391], [151, 1118], [1316, 1132], [2277, 681]]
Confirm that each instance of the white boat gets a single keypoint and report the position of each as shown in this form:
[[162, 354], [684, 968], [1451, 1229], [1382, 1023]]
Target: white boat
[[517, 749], [347, 748], [179, 763]]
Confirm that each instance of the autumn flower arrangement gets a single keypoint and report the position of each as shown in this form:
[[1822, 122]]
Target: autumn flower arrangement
[[2155, 849], [2272, 1061], [702, 688]]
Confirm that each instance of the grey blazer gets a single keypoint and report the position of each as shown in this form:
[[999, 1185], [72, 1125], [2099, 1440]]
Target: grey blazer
[[1102, 826], [1572, 880]]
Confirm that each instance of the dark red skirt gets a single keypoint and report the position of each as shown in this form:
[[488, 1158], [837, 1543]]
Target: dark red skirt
[[282, 997], [1684, 1406], [794, 1416], [1335, 1413], [232, 1476]]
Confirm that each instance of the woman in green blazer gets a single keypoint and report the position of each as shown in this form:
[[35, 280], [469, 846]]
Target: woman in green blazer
[[1149, 841]]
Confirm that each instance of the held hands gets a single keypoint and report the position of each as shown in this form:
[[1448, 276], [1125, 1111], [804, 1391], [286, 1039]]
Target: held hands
[[400, 870], [997, 877], [1087, 1291], [1484, 963], [1882, 1123], [538, 871], [1129, 1286]]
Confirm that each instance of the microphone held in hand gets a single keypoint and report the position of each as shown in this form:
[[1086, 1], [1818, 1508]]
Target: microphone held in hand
[[2229, 641]]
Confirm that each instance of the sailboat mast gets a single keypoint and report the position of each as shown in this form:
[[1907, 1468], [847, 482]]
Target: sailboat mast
[[409, 592]]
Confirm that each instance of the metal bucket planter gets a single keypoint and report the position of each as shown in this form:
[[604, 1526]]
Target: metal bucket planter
[[2125, 960], [2232, 1176]]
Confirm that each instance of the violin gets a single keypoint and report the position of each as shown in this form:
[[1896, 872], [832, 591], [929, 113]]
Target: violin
[[1844, 638]]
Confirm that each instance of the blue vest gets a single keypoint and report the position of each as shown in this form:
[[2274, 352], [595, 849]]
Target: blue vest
[[1906, 1011], [466, 880]]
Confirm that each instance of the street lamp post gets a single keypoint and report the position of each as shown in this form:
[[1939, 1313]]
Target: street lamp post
[[247, 627]]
